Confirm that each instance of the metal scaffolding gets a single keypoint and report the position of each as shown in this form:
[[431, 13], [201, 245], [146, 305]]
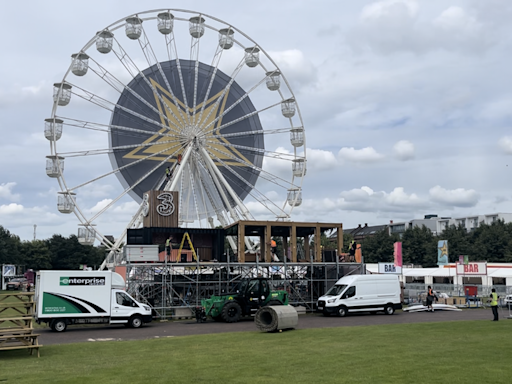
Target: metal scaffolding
[[168, 287]]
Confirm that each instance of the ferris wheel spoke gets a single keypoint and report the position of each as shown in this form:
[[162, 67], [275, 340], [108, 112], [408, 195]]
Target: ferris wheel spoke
[[264, 152], [218, 129], [254, 133], [221, 96], [152, 61], [108, 105], [134, 71], [213, 73], [262, 173], [240, 100], [147, 157], [104, 151], [119, 86], [172, 53], [108, 127], [257, 195]]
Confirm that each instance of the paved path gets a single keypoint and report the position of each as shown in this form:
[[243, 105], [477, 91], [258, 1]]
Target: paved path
[[77, 334]]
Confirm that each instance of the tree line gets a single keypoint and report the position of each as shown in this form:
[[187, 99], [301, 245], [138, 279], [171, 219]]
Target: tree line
[[57, 252], [487, 242]]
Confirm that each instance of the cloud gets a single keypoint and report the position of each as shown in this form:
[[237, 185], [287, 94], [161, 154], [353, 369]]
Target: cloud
[[505, 144], [366, 199], [320, 160], [6, 192], [298, 69], [10, 209], [459, 197], [365, 155], [404, 150]]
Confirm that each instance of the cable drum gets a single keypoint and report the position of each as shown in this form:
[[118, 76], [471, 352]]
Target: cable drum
[[276, 317]]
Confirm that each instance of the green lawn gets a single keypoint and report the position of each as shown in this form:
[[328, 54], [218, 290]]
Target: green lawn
[[451, 352]]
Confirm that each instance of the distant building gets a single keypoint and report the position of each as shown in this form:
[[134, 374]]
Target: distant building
[[438, 224]]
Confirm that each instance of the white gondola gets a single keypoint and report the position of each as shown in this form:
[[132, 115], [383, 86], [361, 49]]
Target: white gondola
[[299, 167], [53, 129], [54, 166], [86, 236], [252, 57], [196, 27], [65, 202], [288, 107], [226, 38], [80, 64], [104, 41], [273, 80], [294, 197], [62, 93], [297, 137], [165, 22], [133, 27]]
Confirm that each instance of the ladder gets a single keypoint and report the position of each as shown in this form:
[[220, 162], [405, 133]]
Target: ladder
[[186, 235]]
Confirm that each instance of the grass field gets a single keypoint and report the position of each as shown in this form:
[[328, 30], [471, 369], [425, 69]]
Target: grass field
[[451, 352]]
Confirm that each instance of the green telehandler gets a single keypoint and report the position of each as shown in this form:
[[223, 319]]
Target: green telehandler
[[230, 307]]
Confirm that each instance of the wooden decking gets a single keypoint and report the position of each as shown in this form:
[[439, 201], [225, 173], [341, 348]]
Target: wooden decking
[[16, 322]]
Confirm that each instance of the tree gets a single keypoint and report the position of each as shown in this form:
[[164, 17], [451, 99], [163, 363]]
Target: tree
[[36, 255], [68, 253], [419, 247], [9, 248], [379, 247]]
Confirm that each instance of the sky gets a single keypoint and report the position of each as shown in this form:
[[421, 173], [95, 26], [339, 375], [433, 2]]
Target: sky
[[406, 105]]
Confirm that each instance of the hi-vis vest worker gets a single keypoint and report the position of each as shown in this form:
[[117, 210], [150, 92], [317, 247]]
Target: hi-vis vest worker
[[430, 293], [494, 299]]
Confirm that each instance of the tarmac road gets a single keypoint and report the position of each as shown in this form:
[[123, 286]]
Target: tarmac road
[[156, 329]]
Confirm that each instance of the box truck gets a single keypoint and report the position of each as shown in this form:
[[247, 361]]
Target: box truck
[[362, 293], [86, 297]]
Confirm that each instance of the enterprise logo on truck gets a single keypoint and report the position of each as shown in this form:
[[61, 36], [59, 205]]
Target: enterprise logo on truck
[[82, 281]]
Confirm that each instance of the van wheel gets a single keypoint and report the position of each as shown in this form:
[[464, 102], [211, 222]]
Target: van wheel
[[135, 321], [58, 325], [342, 311], [389, 310]]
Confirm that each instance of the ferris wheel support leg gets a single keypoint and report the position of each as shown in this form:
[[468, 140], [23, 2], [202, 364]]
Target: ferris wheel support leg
[[171, 185], [134, 222], [245, 212], [213, 174]]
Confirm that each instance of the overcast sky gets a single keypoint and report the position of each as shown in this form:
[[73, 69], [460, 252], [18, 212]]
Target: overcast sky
[[407, 105]]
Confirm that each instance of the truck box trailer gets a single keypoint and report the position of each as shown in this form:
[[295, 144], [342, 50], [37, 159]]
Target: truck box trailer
[[86, 297]]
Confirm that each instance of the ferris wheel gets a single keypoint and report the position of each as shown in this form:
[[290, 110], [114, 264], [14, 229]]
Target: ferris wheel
[[174, 100]]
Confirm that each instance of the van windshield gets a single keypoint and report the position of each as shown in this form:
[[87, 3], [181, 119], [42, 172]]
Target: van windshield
[[336, 290]]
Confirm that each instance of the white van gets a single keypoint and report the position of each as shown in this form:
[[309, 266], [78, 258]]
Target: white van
[[362, 293]]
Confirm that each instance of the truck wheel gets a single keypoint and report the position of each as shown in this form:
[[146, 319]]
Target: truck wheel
[[342, 311], [59, 325], [135, 321], [274, 302], [231, 312], [389, 310]]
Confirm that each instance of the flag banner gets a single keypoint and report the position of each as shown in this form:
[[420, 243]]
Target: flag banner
[[398, 253], [461, 259], [442, 252], [466, 260]]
